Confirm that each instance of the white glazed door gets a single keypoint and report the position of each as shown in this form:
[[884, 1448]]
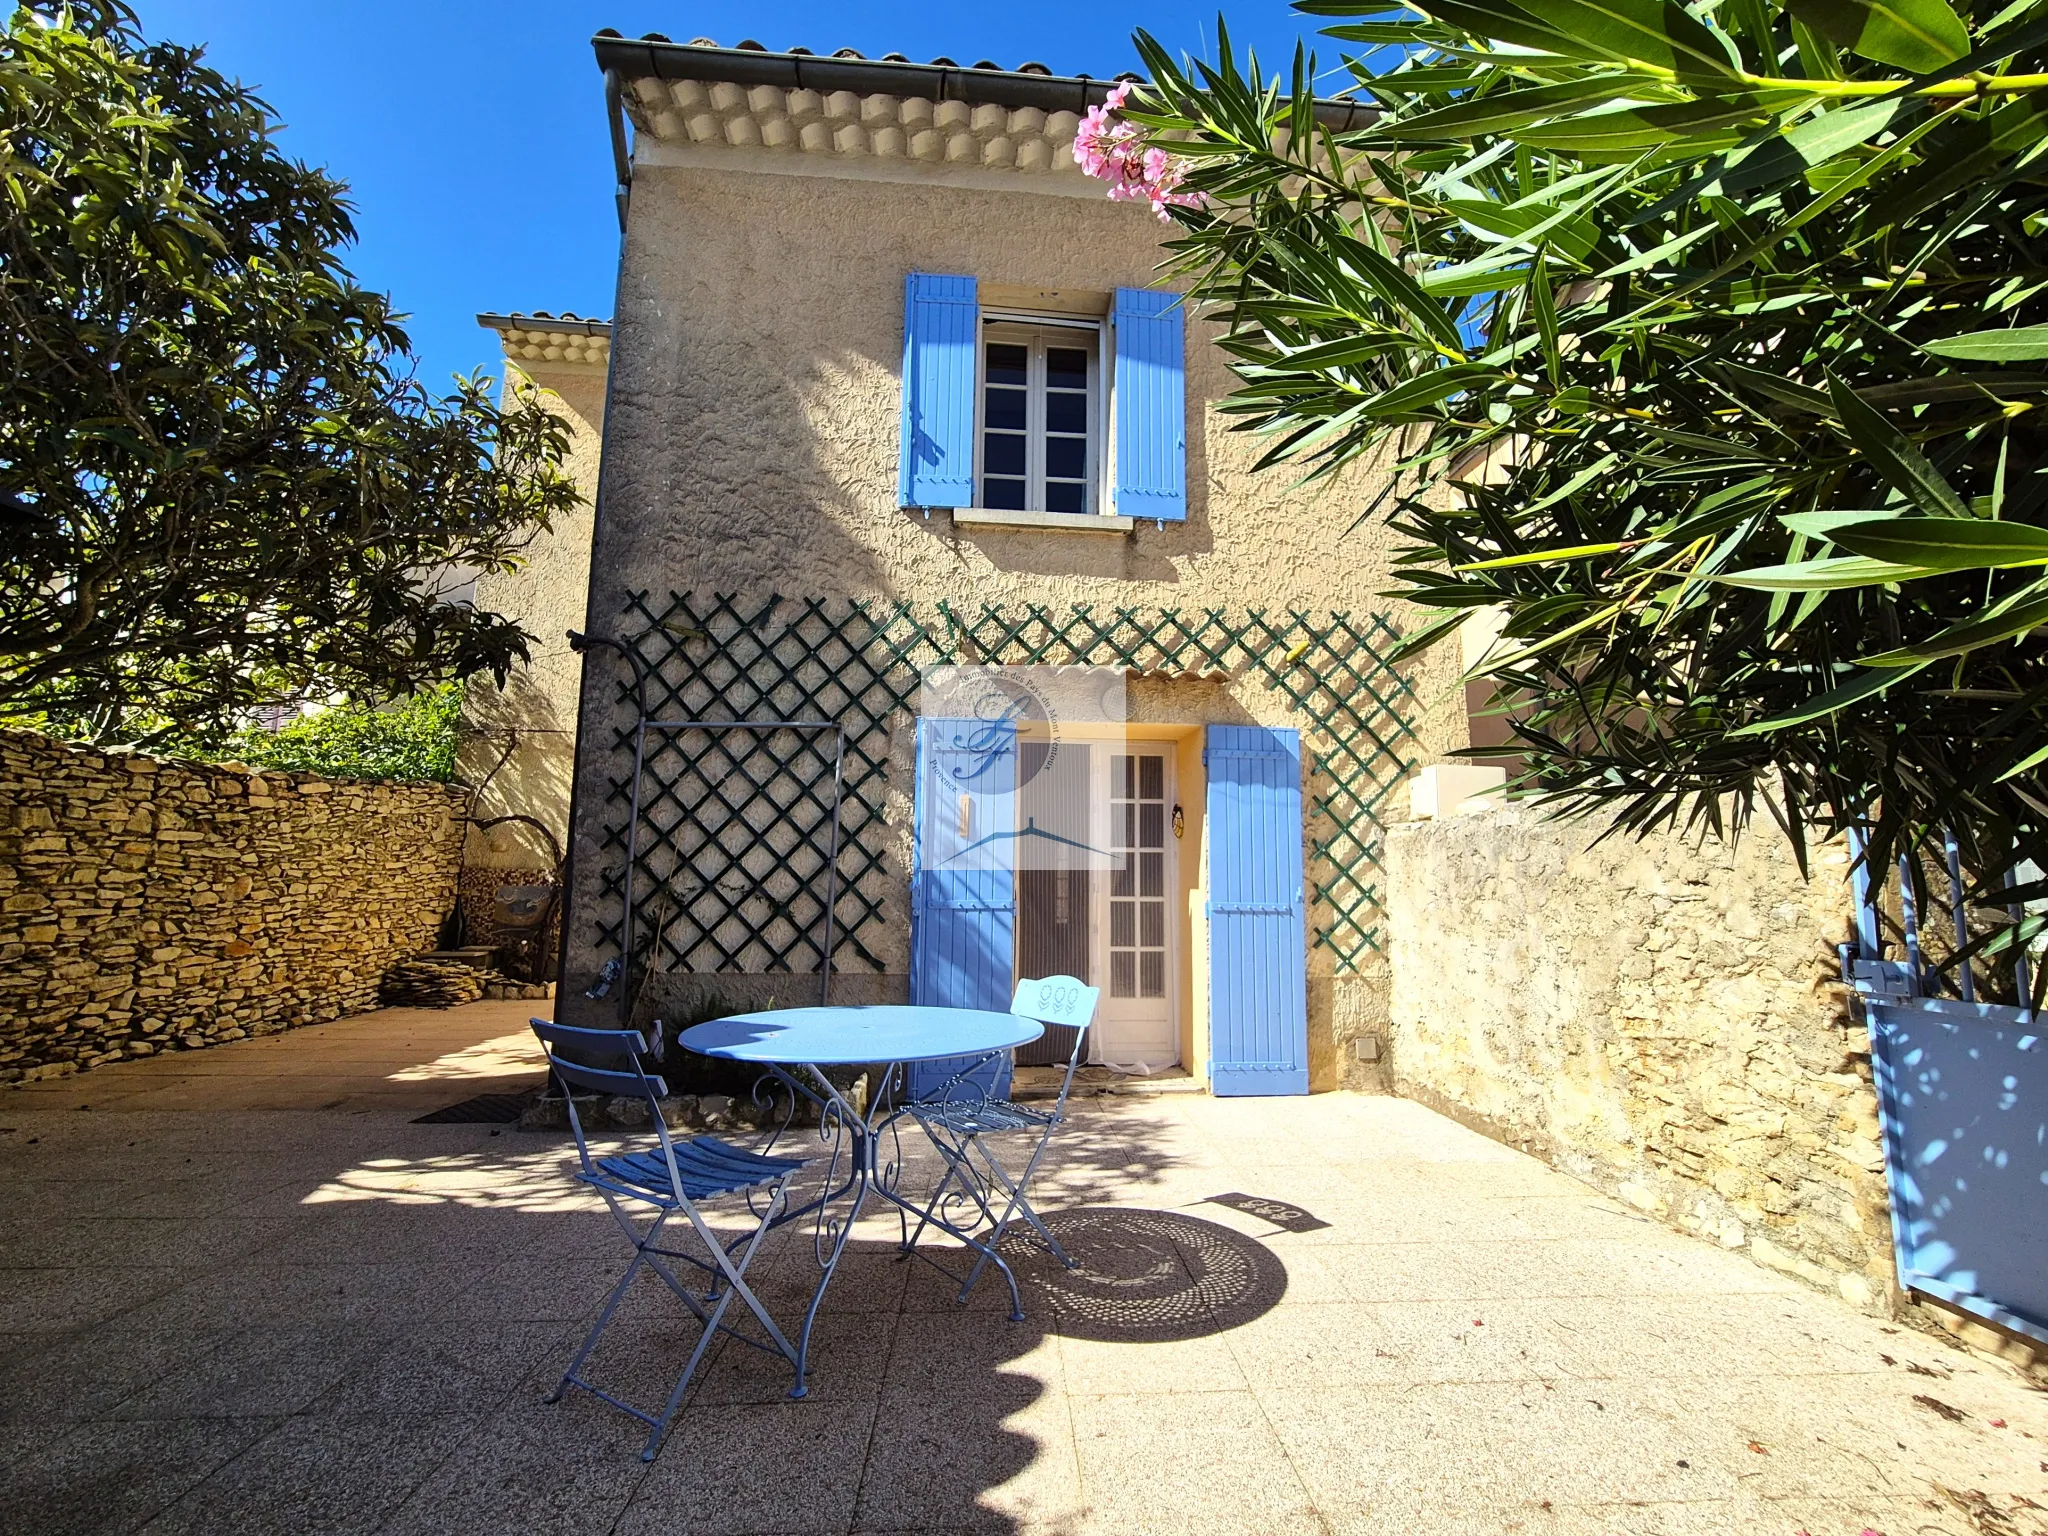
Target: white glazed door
[[1135, 932]]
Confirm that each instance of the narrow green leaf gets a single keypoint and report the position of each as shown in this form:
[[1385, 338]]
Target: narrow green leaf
[[1917, 35], [1970, 635], [1414, 394], [1822, 525], [1542, 557], [1544, 303], [1822, 575], [1505, 110], [2020, 344], [1866, 685], [1947, 543], [1888, 451], [2031, 760], [1653, 31]]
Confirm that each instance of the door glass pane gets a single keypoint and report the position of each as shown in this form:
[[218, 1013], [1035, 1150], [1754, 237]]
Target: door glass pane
[[1123, 922], [1053, 916], [1137, 908]]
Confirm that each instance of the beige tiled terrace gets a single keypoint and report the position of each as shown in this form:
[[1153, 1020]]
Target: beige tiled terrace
[[244, 1293]]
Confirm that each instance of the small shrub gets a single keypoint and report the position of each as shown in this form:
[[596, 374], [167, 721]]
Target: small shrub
[[411, 741]]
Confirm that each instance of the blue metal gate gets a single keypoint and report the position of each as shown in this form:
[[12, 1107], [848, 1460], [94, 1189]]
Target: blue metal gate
[[1962, 1091]]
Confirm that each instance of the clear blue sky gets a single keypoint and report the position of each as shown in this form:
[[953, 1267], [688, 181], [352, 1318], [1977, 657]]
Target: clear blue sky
[[473, 134]]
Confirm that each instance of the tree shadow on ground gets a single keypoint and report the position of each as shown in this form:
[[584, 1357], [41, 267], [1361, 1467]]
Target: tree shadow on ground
[[348, 1323]]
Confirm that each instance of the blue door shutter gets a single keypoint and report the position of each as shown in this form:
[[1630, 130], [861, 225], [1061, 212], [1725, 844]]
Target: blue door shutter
[[1258, 923], [962, 882], [937, 465], [1151, 405]]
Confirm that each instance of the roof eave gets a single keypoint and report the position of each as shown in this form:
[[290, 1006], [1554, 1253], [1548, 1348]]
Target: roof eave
[[644, 58]]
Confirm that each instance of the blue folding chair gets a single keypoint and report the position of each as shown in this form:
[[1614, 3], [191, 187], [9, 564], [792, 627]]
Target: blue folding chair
[[956, 1126], [669, 1177]]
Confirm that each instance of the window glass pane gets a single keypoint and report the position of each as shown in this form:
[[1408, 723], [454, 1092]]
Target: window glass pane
[[1002, 495], [1066, 367], [1120, 882], [1152, 974], [1123, 980], [1151, 874], [1151, 778], [1006, 363], [1065, 412], [1122, 776], [1066, 496], [1003, 453], [1003, 408], [1066, 458], [1152, 924]]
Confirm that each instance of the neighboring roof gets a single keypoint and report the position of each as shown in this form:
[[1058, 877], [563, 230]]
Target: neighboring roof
[[542, 337], [972, 117]]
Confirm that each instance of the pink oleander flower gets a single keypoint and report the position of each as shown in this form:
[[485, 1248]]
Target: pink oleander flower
[[1111, 149]]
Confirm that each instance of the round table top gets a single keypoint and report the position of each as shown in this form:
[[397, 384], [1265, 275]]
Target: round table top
[[854, 1035]]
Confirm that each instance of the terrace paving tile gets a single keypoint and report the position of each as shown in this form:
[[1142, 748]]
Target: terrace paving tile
[[322, 1316]]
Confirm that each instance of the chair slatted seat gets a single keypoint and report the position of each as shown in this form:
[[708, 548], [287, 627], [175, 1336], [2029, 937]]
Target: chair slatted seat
[[667, 1179], [956, 1126]]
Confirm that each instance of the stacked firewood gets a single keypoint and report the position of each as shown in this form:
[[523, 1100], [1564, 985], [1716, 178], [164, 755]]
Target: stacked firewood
[[429, 983]]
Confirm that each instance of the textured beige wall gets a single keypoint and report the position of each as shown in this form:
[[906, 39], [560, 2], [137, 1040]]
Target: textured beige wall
[[533, 717], [1654, 1017], [755, 417], [148, 905]]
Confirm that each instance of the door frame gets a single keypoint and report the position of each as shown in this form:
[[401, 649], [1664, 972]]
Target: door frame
[[1187, 864]]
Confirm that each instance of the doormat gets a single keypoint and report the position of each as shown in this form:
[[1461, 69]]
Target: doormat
[[484, 1109], [1289, 1218]]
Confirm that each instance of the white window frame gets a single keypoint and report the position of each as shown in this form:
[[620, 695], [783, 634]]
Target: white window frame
[[1100, 372]]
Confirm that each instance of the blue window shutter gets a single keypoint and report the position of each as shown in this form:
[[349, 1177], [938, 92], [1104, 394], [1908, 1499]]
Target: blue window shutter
[[1151, 405], [937, 464], [963, 886], [1258, 921]]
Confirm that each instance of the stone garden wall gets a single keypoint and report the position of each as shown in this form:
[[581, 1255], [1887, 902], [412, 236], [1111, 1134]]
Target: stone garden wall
[[151, 905], [1653, 1017]]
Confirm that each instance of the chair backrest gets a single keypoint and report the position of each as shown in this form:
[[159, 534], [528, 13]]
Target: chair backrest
[[1065, 1002], [1056, 1000], [635, 1081]]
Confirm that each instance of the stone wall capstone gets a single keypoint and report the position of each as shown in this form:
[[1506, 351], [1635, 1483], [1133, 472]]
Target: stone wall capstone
[[150, 905], [1654, 1017]]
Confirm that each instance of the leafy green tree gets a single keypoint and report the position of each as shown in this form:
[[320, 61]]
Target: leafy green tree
[[219, 483], [1710, 342]]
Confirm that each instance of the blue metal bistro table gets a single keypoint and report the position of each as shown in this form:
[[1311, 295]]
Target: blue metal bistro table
[[795, 1045]]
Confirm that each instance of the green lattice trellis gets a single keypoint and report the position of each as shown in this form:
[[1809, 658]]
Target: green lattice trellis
[[859, 663]]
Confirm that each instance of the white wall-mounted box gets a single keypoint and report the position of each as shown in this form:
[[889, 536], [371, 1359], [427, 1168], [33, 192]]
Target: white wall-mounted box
[[1456, 789]]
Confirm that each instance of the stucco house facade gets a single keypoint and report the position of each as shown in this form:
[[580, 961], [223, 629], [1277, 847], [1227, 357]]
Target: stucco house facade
[[892, 386]]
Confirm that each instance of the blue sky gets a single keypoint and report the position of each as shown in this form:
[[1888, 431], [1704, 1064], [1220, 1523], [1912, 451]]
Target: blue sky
[[473, 135]]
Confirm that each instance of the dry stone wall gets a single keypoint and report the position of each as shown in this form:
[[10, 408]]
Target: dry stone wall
[[1653, 1017], [148, 905]]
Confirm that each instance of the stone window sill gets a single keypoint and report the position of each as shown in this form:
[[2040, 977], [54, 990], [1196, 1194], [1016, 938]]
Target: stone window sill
[[1062, 522]]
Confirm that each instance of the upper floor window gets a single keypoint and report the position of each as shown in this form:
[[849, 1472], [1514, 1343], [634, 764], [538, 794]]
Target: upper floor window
[[1043, 416], [1040, 415]]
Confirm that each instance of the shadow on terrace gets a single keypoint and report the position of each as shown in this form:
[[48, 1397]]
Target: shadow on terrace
[[224, 1325]]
